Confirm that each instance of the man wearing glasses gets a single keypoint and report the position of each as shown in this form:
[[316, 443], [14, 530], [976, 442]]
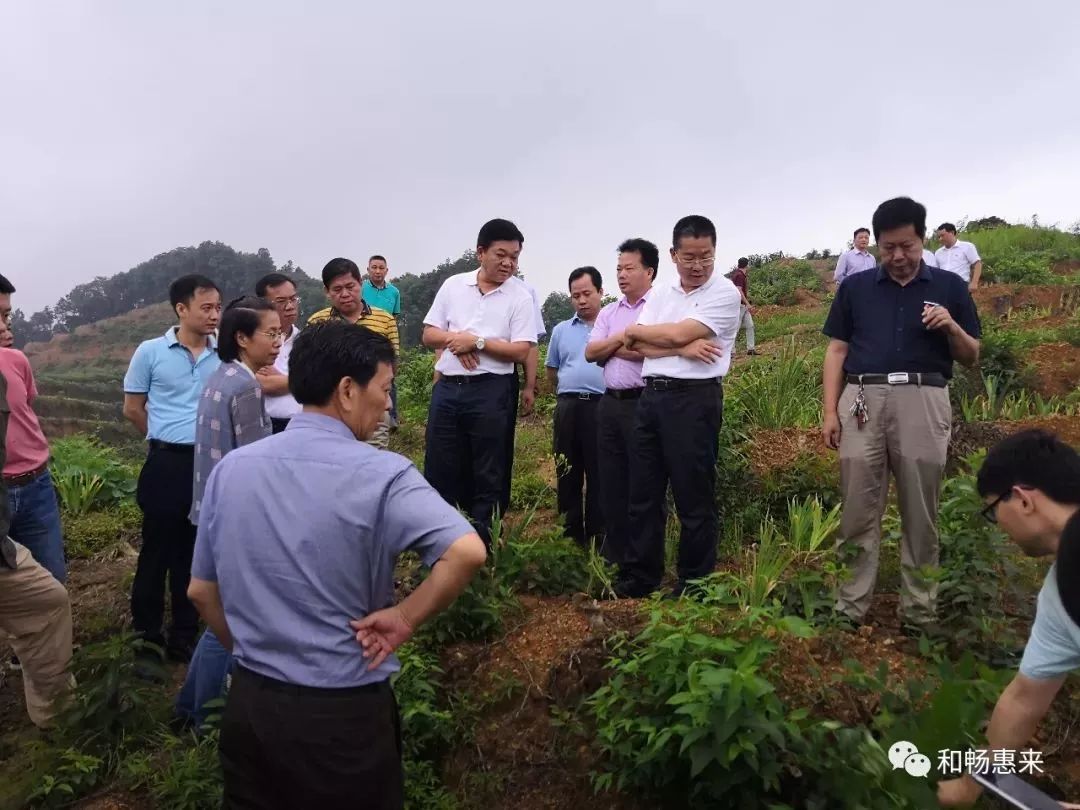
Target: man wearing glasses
[[1030, 484], [685, 333], [280, 291], [894, 334]]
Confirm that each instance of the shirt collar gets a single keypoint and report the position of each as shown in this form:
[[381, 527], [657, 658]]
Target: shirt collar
[[924, 273], [677, 284], [244, 367], [173, 340], [365, 310], [320, 422], [474, 281], [575, 320], [375, 286], [623, 302]]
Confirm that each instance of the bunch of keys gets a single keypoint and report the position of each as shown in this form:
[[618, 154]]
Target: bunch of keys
[[859, 409]]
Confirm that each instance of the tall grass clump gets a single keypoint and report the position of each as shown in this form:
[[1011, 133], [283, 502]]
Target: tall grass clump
[[778, 392]]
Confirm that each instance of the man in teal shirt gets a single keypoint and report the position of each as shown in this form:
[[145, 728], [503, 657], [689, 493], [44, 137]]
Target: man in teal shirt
[[380, 293]]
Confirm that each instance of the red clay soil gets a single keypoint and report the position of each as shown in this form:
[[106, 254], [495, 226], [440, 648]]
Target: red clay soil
[[1056, 368], [1065, 427], [1000, 299], [1068, 267], [779, 449]]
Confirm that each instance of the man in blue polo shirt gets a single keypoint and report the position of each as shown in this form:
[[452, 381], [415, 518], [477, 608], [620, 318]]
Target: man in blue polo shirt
[[894, 334], [579, 385], [161, 398]]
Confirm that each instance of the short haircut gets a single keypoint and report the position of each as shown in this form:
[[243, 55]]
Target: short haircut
[[498, 230], [327, 353], [744, 262], [6, 287], [336, 268], [694, 226], [860, 230], [378, 258], [1032, 458], [898, 212], [241, 317], [649, 253], [591, 272], [947, 226], [183, 289], [271, 280]]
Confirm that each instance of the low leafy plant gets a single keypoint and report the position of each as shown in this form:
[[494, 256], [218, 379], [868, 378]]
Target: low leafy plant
[[74, 774], [89, 475], [93, 534]]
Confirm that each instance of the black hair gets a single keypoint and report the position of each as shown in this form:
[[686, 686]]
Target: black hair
[[947, 226], [377, 256], [860, 230], [327, 353], [182, 291], [649, 253], [693, 226], [1031, 458], [1068, 567], [271, 280], [898, 212], [6, 287], [744, 262], [498, 230], [241, 317], [591, 272], [336, 268]]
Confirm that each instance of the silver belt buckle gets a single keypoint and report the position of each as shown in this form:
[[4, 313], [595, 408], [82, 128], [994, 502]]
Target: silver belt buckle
[[898, 378]]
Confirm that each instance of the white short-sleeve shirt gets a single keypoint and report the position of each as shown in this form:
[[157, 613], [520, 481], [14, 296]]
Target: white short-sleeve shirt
[[541, 330], [505, 313], [284, 406], [958, 259], [929, 258], [715, 304]]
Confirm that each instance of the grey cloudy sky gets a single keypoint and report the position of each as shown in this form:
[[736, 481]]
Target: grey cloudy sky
[[324, 129]]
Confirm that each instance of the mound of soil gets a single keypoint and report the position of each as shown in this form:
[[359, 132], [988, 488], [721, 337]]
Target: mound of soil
[[1000, 299], [1055, 368], [779, 449], [1065, 427]]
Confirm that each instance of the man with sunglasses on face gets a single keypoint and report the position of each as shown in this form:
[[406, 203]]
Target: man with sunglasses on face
[[1030, 484]]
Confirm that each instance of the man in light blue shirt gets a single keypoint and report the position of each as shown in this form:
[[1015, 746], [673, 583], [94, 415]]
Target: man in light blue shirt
[[294, 572], [856, 260], [1030, 484], [579, 385], [162, 387]]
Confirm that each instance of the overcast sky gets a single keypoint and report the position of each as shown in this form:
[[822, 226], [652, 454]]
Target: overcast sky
[[325, 129]]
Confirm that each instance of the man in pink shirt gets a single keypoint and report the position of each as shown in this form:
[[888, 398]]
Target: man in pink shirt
[[638, 260], [35, 516]]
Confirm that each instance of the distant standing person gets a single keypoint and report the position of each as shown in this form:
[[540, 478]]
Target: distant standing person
[[280, 291], [304, 596], [484, 322], [623, 384], [579, 385], [380, 293], [162, 387], [893, 337], [34, 513], [341, 279], [686, 333], [958, 256], [232, 413], [855, 260], [746, 311]]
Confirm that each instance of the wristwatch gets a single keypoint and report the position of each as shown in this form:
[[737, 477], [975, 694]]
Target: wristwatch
[[480, 343]]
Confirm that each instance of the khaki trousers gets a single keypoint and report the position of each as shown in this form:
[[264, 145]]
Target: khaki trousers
[[907, 435], [380, 439], [36, 614]]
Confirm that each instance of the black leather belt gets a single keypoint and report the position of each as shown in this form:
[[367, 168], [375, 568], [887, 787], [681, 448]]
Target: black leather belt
[[623, 393], [674, 384], [466, 379], [22, 479], [930, 378], [583, 395], [157, 444]]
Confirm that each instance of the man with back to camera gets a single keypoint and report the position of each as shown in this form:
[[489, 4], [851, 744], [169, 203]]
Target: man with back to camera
[[483, 321], [1030, 485], [280, 291], [855, 260], [623, 384], [304, 597], [958, 256], [162, 387], [686, 332], [579, 385], [894, 335]]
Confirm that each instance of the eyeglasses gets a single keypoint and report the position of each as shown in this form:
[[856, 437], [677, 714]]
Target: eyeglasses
[[273, 334], [691, 261], [284, 302], [990, 510]]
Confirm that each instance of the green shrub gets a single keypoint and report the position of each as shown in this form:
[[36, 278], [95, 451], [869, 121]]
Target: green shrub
[[547, 566], [89, 475], [191, 777], [94, 533], [776, 281]]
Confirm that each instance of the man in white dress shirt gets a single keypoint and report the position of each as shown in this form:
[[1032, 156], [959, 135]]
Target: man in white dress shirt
[[484, 322], [280, 291], [958, 256], [686, 332]]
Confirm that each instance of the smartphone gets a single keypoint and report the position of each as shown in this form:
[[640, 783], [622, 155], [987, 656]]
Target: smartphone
[[1015, 792]]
